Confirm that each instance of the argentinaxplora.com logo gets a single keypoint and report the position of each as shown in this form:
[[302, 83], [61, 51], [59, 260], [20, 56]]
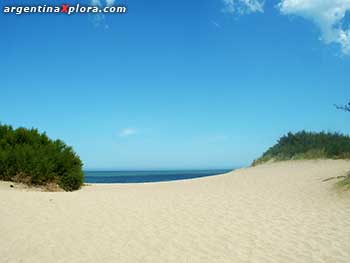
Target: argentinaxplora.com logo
[[63, 9]]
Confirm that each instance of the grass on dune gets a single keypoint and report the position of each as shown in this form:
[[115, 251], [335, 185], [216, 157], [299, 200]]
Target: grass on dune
[[309, 145]]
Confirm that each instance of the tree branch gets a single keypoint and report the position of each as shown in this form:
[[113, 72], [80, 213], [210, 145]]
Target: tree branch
[[344, 108]]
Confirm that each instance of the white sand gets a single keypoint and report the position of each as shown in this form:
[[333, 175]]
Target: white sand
[[279, 213]]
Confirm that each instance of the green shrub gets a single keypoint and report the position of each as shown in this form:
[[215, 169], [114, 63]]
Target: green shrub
[[71, 181], [30, 157], [345, 182], [308, 145]]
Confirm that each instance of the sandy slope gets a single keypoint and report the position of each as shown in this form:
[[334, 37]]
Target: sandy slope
[[272, 213]]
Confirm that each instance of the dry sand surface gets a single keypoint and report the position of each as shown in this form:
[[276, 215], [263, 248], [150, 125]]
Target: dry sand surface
[[279, 212]]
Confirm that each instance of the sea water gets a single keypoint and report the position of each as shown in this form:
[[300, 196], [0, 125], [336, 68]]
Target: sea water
[[147, 176]]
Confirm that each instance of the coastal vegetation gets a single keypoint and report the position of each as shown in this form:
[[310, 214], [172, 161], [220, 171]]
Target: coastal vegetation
[[308, 145], [346, 181], [30, 157]]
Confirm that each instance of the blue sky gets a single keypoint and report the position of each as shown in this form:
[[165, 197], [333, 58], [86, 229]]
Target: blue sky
[[181, 84]]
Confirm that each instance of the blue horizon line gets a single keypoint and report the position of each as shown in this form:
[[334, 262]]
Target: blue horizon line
[[161, 170]]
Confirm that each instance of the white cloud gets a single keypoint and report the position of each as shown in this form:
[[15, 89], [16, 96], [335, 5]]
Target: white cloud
[[99, 19], [244, 6], [327, 15], [216, 24], [127, 132], [102, 2], [110, 2], [96, 2]]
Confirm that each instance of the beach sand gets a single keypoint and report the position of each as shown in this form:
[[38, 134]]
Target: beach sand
[[280, 212]]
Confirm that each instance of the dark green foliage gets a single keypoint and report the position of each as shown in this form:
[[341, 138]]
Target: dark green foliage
[[345, 182], [72, 181], [308, 145], [31, 157]]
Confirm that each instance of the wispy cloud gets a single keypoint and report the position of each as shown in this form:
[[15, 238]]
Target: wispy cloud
[[127, 132], [244, 6], [216, 24], [110, 2], [99, 19], [327, 15], [96, 2]]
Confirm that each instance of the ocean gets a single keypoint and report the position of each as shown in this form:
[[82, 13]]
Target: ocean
[[147, 176]]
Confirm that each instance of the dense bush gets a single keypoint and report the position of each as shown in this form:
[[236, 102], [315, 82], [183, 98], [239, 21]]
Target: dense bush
[[345, 182], [308, 145], [30, 157]]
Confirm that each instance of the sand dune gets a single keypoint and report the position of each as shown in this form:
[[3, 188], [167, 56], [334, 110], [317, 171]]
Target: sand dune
[[280, 212]]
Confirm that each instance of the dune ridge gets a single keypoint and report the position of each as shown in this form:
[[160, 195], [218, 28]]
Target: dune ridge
[[276, 212]]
